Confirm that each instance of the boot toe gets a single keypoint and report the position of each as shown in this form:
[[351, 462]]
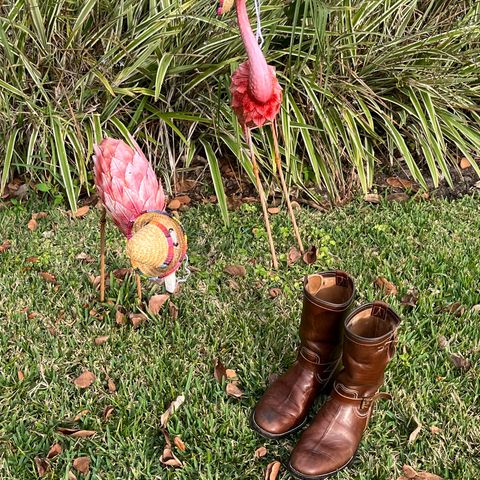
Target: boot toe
[[273, 422], [314, 463]]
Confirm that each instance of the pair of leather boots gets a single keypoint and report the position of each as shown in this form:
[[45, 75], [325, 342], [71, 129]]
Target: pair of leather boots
[[369, 337]]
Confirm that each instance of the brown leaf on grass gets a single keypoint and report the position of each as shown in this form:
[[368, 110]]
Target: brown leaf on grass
[[32, 225], [476, 309], [107, 412], [410, 298], [455, 308], [397, 182], [442, 342], [32, 315], [398, 197], [168, 458], [75, 432], [85, 379], [121, 273], [310, 256], [272, 470], [136, 319], [427, 476], [5, 246], [82, 464], [293, 256], [20, 375], [465, 163], [174, 204], [172, 310], [274, 292], [274, 210], [85, 257], [388, 287], [231, 374], [55, 449], [183, 199], [219, 371], [179, 443], [260, 452], [112, 388], [120, 316], [82, 211], [235, 270], [31, 259], [172, 408], [409, 471], [231, 283], [233, 390], [413, 436], [80, 415], [48, 277], [101, 340], [435, 430], [71, 475], [156, 302], [43, 466], [461, 362], [372, 198], [39, 215]]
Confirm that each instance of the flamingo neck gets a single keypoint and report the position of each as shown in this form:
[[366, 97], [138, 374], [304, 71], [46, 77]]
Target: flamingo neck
[[261, 85]]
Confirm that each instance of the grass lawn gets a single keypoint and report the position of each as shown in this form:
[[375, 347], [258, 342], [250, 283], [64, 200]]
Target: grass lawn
[[431, 246]]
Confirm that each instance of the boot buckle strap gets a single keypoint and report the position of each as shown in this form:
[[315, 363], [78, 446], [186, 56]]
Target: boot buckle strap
[[367, 402]]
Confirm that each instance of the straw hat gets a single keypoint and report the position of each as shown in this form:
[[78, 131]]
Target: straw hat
[[157, 245]]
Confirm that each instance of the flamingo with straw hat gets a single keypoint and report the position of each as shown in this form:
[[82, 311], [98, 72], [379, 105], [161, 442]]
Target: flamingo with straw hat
[[134, 198]]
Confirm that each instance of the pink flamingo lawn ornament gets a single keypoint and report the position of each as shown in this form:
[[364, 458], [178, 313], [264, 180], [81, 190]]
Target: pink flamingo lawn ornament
[[133, 196], [256, 100]]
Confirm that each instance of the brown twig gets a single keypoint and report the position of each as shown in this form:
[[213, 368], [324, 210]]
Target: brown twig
[[139, 287]]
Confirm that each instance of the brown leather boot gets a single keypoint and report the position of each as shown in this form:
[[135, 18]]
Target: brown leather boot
[[284, 406], [331, 441]]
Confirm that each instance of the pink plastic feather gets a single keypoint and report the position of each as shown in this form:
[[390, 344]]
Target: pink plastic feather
[[126, 182]]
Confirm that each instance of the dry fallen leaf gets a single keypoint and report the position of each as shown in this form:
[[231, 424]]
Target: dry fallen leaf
[[233, 390], [442, 342], [410, 298], [235, 270], [260, 452], [120, 316], [427, 476], [172, 310], [179, 443], [107, 412], [465, 163], [31, 259], [43, 466], [55, 449], [81, 212], [137, 319], [293, 256], [82, 464], [409, 471], [75, 432], [85, 257], [274, 210], [48, 277], [219, 371], [20, 376], [183, 199], [80, 415], [168, 458], [71, 476], [85, 379], [413, 436], [476, 309], [231, 283], [101, 340], [174, 204], [37, 216], [310, 256], [274, 292], [398, 197], [455, 308], [397, 182], [32, 225], [461, 362], [388, 287], [231, 374], [5, 246], [112, 388], [372, 198], [435, 430], [156, 302], [172, 408], [272, 471]]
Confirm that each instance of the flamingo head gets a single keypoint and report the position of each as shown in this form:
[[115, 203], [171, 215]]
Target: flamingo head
[[224, 6]]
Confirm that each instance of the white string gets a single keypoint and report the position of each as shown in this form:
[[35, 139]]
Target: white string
[[260, 39]]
